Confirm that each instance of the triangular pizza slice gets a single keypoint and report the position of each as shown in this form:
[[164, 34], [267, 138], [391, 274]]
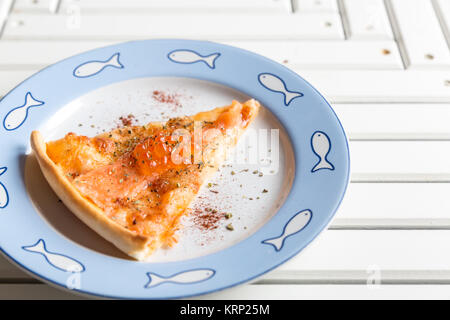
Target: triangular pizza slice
[[133, 184]]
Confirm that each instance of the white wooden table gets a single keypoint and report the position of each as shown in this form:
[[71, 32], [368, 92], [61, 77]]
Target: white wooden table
[[384, 66]]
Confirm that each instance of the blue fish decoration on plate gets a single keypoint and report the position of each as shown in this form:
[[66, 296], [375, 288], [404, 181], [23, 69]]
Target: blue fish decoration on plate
[[296, 224], [91, 68], [184, 277], [17, 116], [186, 56], [321, 146], [56, 260], [276, 84], [4, 197]]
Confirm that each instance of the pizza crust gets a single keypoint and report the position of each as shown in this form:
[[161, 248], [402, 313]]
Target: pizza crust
[[129, 242]]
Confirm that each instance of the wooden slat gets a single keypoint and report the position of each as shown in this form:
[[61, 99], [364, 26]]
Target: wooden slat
[[119, 27], [386, 250], [170, 6], [394, 205], [421, 34], [426, 161], [387, 121], [304, 54], [329, 54], [315, 5], [367, 19], [263, 292], [36, 6], [26, 54], [380, 86]]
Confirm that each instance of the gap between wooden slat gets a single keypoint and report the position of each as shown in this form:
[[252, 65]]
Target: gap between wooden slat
[[344, 19]]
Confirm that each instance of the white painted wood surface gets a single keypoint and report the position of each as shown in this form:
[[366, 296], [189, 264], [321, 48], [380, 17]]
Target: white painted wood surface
[[368, 19], [394, 223], [382, 161], [421, 34], [395, 121], [395, 205], [317, 55]]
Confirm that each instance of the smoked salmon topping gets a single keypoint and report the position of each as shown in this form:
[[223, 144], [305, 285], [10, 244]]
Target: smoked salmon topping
[[144, 177]]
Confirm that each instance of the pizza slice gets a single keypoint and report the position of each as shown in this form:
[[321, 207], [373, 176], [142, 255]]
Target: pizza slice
[[133, 184]]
